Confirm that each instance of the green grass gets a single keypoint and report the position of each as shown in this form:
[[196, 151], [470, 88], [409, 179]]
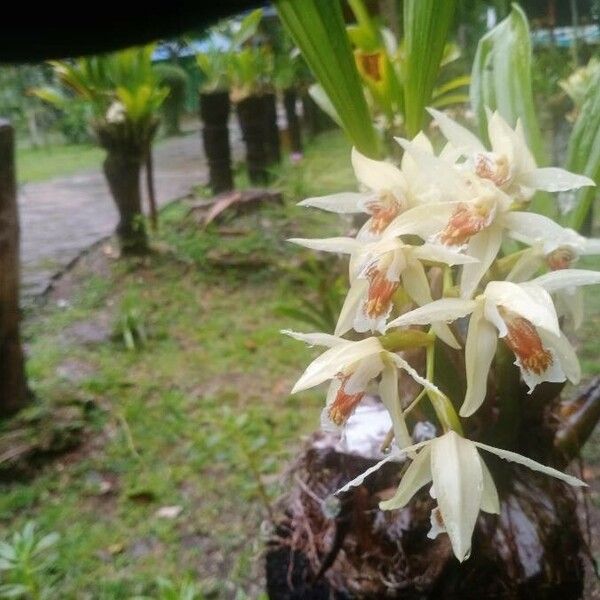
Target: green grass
[[38, 164], [189, 418]]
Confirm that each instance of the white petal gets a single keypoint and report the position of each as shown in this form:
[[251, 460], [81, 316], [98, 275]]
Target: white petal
[[366, 369], [564, 278], [417, 475], [523, 156], [531, 464], [416, 285], [335, 360], [490, 503], [590, 246], [388, 390], [483, 246], [527, 227], [394, 456], [570, 303], [526, 266], [527, 300], [552, 179], [424, 220], [502, 137], [343, 245], [351, 305], [480, 348], [460, 137], [316, 339], [343, 203], [565, 353], [452, 184], [376, 174], [327, 425], [439, 253], [458, 481], [360, 479], [446, 309]]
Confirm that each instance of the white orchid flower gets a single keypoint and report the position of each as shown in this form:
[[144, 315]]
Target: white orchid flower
[[351, 366], [116, 113], [377, 270], [524, 316], [479, 221], [557, 250], [390, 191], [552, 247], [462, 484], [509, 164]]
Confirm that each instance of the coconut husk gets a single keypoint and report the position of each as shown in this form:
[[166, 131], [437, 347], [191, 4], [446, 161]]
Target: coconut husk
[[351, 549]]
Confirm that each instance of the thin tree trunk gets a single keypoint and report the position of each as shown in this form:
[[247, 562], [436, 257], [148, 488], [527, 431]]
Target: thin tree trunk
[[151, 190], [13, 384], [289, 102]]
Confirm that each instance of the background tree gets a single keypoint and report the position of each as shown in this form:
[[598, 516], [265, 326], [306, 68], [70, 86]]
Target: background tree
[[124, 94]]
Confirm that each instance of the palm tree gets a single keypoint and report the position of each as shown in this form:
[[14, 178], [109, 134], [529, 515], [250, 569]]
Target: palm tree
[[124, 94]]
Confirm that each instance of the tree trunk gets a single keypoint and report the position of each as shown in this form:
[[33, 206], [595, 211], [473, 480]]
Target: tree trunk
[[13, 384], [122, 170], [289, 102], [271, 133], [250, 113], [214, 113]]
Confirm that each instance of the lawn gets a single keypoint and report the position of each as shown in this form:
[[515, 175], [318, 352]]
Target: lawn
[[38, 164], [199, 418]]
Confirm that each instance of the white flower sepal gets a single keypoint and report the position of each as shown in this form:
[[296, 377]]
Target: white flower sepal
[[510, 164], [462, 482], [351, 366], [377, 270], [390, 191], [524, 316]]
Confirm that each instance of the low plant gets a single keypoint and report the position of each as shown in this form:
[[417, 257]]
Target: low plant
[[26, 561]]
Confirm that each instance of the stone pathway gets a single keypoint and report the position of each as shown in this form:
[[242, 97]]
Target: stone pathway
[[62, 217]]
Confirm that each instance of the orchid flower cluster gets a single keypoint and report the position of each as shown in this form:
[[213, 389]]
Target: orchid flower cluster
[[449, 245]]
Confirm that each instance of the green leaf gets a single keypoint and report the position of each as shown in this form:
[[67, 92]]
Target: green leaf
[[583, 154], [317, 93], [426, 27], [501, 80], [319, 31]]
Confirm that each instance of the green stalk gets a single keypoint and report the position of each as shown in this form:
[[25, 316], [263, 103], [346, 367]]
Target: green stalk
[[442, 406]]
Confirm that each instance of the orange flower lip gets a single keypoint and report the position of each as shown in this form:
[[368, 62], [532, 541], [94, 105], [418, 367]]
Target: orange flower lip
[[383, 211], [370, 64], [344, 403], [465, 222], [524, 340], [379, 296], [561, 258], [492, 166]]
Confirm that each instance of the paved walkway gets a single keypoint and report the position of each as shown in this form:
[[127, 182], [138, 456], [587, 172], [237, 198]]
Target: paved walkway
[[62, 217]]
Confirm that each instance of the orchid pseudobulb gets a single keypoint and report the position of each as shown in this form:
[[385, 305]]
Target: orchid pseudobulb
[[444, 219]]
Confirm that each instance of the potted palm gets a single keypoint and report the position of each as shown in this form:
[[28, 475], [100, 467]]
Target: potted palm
[[214, 113], [249, 86], [124, 94]]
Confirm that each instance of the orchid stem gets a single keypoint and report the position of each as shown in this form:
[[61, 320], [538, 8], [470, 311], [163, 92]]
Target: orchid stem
[[442, 406]]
